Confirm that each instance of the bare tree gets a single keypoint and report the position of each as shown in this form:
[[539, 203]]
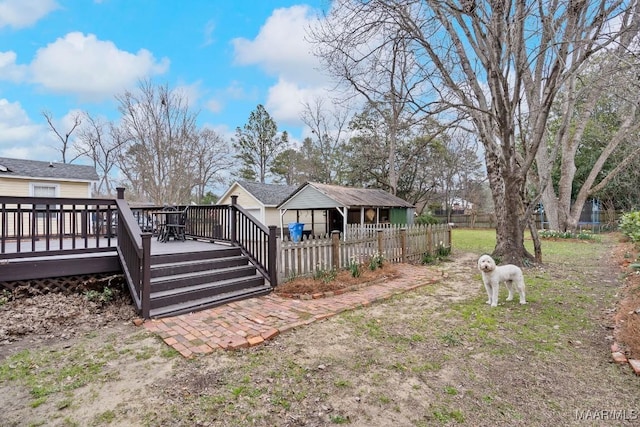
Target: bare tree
[[160, 160], [611, 79], [101, 141], [326, 160], [377, 63], [211, 159], [65, 143], [501, 63]]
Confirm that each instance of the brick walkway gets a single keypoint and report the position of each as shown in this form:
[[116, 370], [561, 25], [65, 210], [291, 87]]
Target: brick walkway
[[250, 322]]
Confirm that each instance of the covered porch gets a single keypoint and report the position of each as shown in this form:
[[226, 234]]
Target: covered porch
[[324, 208]]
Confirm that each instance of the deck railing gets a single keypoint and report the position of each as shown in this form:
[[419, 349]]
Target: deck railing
[[40, 226], [257, 241], [52, 226], [134, 251]]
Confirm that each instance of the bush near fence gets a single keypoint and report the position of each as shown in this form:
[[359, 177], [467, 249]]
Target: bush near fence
[[397, 244]]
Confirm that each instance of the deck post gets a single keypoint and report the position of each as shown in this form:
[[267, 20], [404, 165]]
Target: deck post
[[272, 256], [120, 191], [232, 220], [146, 275]]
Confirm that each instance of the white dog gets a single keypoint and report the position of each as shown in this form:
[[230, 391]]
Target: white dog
[[492, 275]]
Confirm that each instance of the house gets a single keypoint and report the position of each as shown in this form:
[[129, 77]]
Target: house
[[32, 178], [260, 200], [332, 207]]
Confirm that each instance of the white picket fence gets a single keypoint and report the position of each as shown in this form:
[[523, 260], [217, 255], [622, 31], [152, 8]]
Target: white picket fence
[[407, 243]]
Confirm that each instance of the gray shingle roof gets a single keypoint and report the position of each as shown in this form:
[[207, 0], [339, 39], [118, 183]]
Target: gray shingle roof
[[355, 197], [38, 169], [268, 194]]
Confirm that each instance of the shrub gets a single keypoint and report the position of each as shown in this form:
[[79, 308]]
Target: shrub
[[107, 295], [426, 219], [5, 297], [441, 253], [325, 276], [630, 225], [553, 234]]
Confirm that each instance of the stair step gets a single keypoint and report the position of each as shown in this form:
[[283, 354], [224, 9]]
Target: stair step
[[183, 280], [204, 290], [203, 303], [192, 256], [192, 266]]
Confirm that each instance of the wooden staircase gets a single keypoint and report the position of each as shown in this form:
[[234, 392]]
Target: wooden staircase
[[191, 281]]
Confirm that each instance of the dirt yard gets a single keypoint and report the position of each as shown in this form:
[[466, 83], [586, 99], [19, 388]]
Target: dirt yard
[[434, 356]]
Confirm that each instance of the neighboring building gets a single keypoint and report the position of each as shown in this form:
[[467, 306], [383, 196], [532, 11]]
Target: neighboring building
[[32, 178], [260, 200], [332, 207], [459, 206]]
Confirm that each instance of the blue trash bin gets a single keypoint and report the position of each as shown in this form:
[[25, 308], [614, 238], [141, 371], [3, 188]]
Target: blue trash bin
[[295, 231]]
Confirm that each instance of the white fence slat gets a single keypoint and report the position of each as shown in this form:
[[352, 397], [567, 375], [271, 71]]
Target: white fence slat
[[315, 253]]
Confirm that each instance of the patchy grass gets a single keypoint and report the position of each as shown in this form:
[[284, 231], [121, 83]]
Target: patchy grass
[[435, 356]]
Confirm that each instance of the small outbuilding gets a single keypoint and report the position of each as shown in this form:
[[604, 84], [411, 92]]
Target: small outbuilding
[[258, 199], [323, 208]]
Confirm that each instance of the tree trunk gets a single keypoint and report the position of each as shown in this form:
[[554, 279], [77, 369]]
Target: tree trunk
[[510, 223], [550, 204]]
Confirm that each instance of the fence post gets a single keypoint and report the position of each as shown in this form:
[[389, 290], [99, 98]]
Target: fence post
[[449, 235], [380, 246], [335, 249], [403, 245], [430, 239]]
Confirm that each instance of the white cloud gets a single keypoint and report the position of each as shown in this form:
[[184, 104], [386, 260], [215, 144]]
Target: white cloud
[[15, 125], [91, 68], [9, 70], [286, 99], [280, 47], [190, 92], [21, 138], [24, 13]]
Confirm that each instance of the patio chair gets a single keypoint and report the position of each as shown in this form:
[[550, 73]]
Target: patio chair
[[176, 224]]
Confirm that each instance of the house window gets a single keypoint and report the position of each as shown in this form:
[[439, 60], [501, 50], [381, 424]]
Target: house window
[[44, 190]]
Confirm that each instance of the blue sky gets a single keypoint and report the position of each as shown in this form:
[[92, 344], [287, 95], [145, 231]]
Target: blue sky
[[227, 56]]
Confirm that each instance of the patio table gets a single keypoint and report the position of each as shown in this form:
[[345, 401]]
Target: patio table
[[169, 224]]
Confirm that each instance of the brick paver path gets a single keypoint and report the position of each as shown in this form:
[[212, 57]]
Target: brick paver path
[[250, 322]]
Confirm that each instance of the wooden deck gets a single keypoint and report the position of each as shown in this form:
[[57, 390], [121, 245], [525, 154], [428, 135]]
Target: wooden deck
[[108, 244], [36, 261]]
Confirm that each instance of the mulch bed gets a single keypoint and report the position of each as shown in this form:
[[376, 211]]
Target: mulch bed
[[627, 318], [312, 288]]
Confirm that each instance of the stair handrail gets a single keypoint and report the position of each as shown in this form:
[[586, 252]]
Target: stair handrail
[[134, 251], [255, 240]]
